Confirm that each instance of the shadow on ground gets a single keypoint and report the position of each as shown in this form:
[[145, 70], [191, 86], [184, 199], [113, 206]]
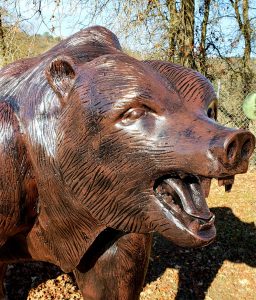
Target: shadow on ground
[[236, 242]]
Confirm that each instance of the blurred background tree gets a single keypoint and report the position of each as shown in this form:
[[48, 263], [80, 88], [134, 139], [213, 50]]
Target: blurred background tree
[[215, 37]]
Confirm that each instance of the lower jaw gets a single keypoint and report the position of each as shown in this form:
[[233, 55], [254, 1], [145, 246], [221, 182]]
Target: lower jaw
[[185, 238], [185, 230], [190, 226]]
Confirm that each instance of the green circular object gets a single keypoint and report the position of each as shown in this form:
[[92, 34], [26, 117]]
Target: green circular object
[[249, 106]]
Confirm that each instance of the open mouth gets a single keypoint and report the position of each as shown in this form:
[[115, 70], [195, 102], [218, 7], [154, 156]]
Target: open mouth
[[183, 195]]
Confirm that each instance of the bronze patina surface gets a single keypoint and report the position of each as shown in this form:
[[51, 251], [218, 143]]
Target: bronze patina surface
[[97, 151]]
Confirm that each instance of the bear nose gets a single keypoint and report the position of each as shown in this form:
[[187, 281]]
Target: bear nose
[[238, 146]]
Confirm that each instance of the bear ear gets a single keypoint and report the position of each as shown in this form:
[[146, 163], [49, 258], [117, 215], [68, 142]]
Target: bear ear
[[61, 76]]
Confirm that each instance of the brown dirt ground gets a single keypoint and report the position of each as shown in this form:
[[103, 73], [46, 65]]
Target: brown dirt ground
[[224, 270]]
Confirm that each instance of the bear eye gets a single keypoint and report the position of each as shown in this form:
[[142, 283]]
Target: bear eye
[[212, 110], [210, 113], [132, 115]]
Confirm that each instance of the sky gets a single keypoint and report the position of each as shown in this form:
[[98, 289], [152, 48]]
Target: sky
[[68, 18], [65, 19]]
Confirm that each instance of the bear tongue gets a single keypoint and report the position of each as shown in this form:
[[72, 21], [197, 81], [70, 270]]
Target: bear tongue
[[191, 196]]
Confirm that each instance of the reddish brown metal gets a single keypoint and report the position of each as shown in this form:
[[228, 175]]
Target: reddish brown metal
[[98, 150]]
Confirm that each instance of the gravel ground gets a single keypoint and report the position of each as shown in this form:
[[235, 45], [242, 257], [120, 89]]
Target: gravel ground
[[224, 270]]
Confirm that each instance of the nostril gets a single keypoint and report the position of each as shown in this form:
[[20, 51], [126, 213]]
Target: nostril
[[231, 150], [246, 149]]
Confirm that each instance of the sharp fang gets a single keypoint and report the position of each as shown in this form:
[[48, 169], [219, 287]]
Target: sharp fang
[[182, 175], [227, 182], [228, 188], [220, 182]]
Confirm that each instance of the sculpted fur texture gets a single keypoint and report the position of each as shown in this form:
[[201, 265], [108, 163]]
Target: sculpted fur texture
[[98, 150]]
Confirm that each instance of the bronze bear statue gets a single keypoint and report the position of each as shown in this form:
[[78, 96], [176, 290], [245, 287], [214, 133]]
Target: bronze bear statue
[[98, 150]]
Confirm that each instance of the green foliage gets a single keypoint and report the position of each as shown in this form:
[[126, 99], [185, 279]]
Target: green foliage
[[19, 44]]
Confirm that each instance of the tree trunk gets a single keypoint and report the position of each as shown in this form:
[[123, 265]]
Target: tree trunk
[[247, 49], [181, 32], [247, 71], [245, 28], [173, 31], [187, 34], [202, 50]]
